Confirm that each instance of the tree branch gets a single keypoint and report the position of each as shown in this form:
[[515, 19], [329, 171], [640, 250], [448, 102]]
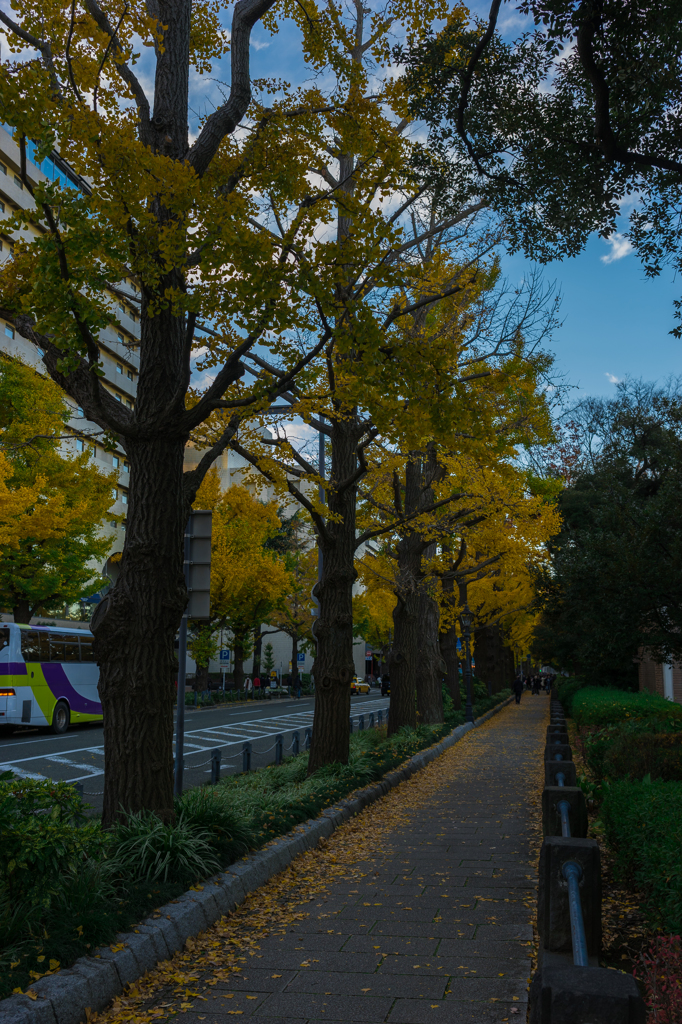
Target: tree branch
[[226, 118]]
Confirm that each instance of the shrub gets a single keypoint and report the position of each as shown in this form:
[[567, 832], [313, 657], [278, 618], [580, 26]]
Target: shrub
[[643, 824], [659, 971], [45, 837], [596, 706], [658, 755], [229, 835], [567, 690], [146, 848]]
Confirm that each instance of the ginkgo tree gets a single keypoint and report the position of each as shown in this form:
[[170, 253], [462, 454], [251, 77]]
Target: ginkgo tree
[[248, 579], [179, 218], [53, 502]]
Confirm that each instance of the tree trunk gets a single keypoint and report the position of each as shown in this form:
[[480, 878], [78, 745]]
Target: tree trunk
[[134, 628], [334, 667], [448, 646], [431, 667], [402, 710], [294, 654], [257, 647], [22, 612]]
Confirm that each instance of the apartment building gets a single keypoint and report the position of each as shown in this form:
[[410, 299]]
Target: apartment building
[[118, 343]]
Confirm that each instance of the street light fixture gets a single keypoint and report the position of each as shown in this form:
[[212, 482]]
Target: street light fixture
[[466, 619]]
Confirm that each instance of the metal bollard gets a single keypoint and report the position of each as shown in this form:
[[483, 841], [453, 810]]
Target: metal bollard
[[279, 748], [371, 720], [79, 789], [361, 723], [295, 743], [351, 726], [246, 757], [380, 718], [216, 758], [308, 738]]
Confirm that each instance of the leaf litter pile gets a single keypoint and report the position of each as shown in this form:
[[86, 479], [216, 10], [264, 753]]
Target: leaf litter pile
[[222, 952]]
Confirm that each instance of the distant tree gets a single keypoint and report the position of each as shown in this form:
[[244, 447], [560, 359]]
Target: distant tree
[[55, 502], [203, 643], [614, 582], [248, 580], [268, 659]]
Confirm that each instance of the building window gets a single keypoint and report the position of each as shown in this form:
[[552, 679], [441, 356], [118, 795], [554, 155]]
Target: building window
[[121, 307], [3, 169], [114, 493], [120, 338], [79, 410], [79, 445], [18, 182], [129, 403], [119, 398], [119, 368], [126, 466], [116, 461], [124, 497], [9, 331], [130, 375], [114, 523], [2, 207]]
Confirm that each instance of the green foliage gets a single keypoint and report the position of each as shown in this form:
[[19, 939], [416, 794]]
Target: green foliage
[[596, 706], [146, 848], [203, 809], [643, 824], [567, 691], [657, 755]]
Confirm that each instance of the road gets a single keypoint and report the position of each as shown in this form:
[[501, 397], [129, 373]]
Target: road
[[78, 755]]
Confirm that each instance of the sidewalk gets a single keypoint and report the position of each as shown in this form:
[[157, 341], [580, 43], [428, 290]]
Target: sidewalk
[[418, 910]]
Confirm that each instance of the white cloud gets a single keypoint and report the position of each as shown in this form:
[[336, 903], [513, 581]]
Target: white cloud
[[612, 378], [620, 247]]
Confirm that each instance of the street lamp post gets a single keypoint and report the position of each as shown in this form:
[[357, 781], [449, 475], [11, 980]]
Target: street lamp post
[[466, 619]]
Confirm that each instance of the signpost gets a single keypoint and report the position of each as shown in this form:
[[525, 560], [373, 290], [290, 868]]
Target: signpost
[[197, 565]]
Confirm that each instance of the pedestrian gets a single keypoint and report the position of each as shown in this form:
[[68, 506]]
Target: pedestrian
[[256, 686], [518, 688]]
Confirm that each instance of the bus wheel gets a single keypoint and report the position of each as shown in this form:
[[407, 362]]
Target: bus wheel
[[61, 717]]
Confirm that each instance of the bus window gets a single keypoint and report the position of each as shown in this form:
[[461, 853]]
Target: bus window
[[4, 637], [71, 649], [30, 645], [56, 647], [86, 648]]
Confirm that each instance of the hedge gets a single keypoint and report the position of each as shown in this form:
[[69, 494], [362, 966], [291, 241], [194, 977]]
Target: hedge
[[643, 824]]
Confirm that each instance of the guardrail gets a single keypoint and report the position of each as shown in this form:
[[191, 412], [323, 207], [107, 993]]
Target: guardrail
[[248, 755], [569, 986]]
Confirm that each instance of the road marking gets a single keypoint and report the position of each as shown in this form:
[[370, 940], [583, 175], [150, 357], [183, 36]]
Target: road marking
[[229, 734]]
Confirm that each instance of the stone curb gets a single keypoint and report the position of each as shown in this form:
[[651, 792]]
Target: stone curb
[[94, 981]]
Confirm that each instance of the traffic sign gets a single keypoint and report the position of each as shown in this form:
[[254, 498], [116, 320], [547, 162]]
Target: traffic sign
[[300, 656], [225, 655]]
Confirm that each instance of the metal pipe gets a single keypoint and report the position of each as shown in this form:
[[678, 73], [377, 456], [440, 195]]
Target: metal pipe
[[560, 779], [564, 809], [572, 872]]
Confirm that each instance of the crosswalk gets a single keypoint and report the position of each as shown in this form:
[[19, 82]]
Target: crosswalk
[[87, 763]]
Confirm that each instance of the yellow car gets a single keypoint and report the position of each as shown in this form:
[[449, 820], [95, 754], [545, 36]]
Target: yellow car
[[359, 685]]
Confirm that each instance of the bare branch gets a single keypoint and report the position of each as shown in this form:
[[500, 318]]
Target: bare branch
[[141, 101]]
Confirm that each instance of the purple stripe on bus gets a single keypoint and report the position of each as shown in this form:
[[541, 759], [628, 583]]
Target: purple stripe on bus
[[57, 680], [12, 668]]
